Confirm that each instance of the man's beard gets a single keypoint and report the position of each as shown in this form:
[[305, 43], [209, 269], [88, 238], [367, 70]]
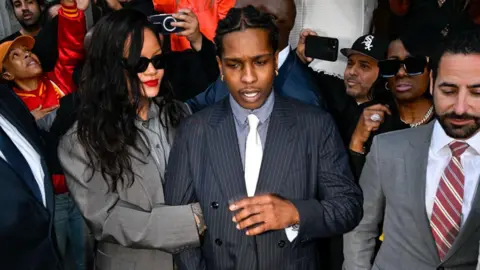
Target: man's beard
[[456, 131], [30, 26]]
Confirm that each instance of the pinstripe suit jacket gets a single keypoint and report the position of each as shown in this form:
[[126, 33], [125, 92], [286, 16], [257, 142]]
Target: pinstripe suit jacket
[[304, 161]]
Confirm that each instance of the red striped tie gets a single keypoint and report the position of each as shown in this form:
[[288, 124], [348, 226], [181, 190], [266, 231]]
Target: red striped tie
[[447, 208]]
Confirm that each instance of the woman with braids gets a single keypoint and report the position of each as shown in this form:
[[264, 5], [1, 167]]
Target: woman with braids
[[115, 156]]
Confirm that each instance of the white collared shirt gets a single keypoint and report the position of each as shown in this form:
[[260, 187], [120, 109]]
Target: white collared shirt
[[439, 156], [282, 56], [28, 152]]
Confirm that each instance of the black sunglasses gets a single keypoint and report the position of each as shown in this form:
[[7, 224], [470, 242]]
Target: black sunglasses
[[413, 66], [158, 62]]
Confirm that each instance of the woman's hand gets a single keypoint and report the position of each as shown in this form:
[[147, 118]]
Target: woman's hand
[[366, 125], [189, 21]]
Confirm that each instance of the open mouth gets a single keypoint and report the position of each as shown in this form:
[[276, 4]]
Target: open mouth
[[250, 96]]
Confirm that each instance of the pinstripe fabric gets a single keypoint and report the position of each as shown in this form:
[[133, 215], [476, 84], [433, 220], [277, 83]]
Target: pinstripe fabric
[[304, 161]]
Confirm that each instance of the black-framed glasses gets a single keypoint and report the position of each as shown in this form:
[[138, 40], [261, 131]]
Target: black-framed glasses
[[158, 62], [413, 66]]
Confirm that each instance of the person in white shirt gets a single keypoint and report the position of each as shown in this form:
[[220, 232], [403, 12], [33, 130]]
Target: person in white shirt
[[26, 196], [422, 182]]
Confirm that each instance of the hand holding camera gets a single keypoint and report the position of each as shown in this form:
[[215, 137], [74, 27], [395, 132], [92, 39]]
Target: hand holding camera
[[187, 20], [184, 23]]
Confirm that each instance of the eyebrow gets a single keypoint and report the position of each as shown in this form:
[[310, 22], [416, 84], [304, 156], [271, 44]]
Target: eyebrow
[[447, 84], [254, 57], [364, 62]]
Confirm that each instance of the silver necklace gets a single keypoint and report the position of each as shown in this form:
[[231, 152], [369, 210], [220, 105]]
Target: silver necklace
[[425, 118]]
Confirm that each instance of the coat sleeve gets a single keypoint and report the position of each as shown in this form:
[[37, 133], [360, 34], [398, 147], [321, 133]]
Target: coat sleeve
[[338, 208], [71, 33], [180, 190], [111, 219], [359, 244]]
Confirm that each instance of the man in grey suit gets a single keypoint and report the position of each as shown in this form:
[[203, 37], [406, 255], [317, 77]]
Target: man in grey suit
[[423, 181], [266, 198]]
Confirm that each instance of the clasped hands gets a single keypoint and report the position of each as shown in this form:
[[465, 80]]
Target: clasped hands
[[264, 213]]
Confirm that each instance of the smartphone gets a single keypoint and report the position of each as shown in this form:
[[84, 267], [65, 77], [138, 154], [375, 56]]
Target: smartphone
[[164, 23], [323, 48]]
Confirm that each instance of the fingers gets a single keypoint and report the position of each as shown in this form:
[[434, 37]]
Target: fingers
[[37, 109], [307, 32], [246, 212], [262, 199], [47, 110], [379, 107]]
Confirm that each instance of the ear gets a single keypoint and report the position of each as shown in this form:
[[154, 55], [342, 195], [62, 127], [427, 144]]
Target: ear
[[431, 83], [276, 59], [220, 65], [8, 76]]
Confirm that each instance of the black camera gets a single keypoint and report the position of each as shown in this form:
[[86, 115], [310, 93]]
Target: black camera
[[164, 23]]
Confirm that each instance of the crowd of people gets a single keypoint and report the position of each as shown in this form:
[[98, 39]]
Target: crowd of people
[[217, 147]]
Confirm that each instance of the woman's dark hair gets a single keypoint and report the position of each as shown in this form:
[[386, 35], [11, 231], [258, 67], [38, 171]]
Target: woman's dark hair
[[239, 19], [109, 97]]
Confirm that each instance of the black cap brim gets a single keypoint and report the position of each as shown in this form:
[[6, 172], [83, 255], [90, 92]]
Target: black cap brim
[[347, 52]]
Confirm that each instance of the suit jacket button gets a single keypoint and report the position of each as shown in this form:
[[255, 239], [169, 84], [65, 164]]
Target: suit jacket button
[[214, 205], [218, 242], [281, 244]]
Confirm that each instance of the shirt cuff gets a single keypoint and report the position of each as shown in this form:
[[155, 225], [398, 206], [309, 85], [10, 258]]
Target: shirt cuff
[[292, 232]]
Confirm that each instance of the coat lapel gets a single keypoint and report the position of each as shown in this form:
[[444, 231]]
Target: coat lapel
[[31, 134], [279, 148], [224, 152], [416, 163]]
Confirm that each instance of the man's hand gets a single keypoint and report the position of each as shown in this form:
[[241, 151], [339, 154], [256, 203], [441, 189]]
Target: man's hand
[[264, 213], [189, 22], [83, 4], [301, 45], [366, 126], [39, 113]]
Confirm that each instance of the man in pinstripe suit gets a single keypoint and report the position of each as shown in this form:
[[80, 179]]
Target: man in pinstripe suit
[[266, 198]]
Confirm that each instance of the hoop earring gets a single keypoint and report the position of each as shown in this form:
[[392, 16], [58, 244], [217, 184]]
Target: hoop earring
[[386, 86], [276, 72], [221, 77]]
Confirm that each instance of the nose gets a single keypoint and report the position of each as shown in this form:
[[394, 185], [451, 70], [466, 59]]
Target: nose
[[402, 71], [151, 70], [353, 71], [461, 103], [249, 75]]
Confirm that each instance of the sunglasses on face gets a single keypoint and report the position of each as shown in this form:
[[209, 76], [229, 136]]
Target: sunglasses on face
[[158, 62], [413, 66]]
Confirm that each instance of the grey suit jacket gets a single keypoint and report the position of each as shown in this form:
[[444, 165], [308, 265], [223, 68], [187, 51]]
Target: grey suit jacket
[[304, 161], [393, 182], [134, 227]]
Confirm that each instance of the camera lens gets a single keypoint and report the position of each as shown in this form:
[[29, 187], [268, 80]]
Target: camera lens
[[167, 24]]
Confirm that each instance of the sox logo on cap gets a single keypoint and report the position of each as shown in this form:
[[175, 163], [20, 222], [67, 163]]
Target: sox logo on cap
[[368, 42]]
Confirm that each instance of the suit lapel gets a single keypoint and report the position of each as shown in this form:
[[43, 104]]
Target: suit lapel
[[469, 227], [278, 149], [7, 100], [416, 163], [224, 152], [32, 136]]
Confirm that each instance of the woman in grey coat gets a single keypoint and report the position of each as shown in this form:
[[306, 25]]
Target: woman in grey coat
[[115, 155]]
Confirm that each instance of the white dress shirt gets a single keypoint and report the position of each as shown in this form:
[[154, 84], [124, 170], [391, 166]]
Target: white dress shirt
[[439, 156], [28, 152], [282, 56]]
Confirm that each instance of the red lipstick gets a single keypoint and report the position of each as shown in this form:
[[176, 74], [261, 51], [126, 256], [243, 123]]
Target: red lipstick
[[151, 83]]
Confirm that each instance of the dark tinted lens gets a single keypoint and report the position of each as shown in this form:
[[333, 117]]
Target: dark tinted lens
[[142, 65], [415, 65], [158, 61], [389, 68]]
